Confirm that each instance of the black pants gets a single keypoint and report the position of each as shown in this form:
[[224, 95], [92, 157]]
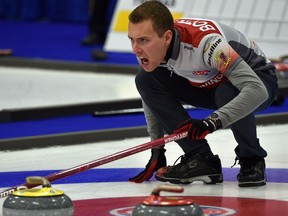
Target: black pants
[[163, 93]]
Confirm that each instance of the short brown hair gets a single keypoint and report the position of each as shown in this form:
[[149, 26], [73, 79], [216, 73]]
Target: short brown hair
[[158, 13]]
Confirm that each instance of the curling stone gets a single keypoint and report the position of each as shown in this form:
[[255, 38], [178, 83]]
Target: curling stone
[[45, 201], [156, 205]]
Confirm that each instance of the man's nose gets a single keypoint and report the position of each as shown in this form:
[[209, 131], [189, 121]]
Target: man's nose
[[136, 48]]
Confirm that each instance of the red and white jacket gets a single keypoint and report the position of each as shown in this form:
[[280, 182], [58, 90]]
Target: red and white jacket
[[205, 52], [208, 53]]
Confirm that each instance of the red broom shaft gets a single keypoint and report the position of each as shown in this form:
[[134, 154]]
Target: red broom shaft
[[101, 161]]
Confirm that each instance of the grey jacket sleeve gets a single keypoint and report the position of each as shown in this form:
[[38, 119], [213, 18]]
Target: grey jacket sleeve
[[252, 94], [153, 127]]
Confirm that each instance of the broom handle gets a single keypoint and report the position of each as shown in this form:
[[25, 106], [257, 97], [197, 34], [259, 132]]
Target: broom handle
[[100, 161]]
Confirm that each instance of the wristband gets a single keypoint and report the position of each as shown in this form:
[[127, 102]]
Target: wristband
[[215, 120]]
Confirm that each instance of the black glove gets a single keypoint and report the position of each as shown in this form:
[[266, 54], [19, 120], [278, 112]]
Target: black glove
[[198, 129], [156, 161]]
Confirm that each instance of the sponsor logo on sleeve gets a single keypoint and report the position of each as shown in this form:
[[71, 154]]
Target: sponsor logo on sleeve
[[220, 56], [212, 49]]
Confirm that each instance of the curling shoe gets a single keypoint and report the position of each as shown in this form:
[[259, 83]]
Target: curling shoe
[[252, 172], [192, 167]]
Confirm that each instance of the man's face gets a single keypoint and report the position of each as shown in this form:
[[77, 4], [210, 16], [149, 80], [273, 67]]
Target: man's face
[[149, 48]]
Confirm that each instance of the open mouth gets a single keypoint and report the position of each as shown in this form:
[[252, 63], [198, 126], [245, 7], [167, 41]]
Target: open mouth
[[144, 61]]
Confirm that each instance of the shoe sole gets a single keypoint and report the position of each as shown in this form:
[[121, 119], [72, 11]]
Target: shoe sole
[[252, 184], [207, 179]]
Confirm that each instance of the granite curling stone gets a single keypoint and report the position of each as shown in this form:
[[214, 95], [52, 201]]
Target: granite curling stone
[[45, 201], [156, 205]]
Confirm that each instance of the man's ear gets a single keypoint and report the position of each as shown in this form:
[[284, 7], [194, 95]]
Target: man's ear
[[168, 35]]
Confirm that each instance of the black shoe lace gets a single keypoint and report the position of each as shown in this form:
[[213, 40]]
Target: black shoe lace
[[182, 157], [186, 157]]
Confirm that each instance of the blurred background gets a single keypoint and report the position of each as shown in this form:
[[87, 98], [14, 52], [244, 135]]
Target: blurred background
[[55, 30]]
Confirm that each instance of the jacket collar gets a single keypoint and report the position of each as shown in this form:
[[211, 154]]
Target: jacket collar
[[174, 47]]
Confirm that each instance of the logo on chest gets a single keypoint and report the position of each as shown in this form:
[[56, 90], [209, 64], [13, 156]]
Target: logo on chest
[[201, 73]]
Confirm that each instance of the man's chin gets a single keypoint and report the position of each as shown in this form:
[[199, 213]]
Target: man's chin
[[149, 68]]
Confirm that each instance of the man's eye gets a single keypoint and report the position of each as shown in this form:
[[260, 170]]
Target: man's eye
[[143, 40]]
